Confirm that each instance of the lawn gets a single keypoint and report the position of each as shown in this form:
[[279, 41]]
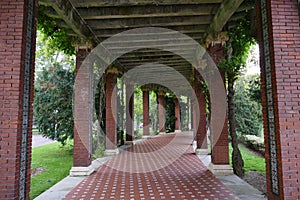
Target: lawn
[[55, 160], [35, 131], [252, 162]]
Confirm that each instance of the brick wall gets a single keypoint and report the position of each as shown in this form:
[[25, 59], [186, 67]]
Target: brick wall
[[284, 43], [220, 151], [146, 112], [13, 24], [111, 111], [161, 112], [177, 114], [81, 156], [201, 114]]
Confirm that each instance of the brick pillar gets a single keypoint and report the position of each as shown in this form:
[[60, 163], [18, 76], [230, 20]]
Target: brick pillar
[[191, 113], [200, 116], [111, 113], [82, 155], [280, 63], [161, 112], [17, 54], [177, 115], [129, 112], [220, 151], [146, 131], [83, 114]]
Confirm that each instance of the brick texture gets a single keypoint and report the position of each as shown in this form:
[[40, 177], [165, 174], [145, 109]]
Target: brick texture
[[146, 112], [13, 24], [177, 114], [161, 112], [200, 117], [220, 152], [82, 155], [111, 110], [284, 38]]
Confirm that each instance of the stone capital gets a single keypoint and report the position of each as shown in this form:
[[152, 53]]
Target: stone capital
[[216, 38]]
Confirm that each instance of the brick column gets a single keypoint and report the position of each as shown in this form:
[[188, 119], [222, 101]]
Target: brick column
[[129, 112], [17, 54], [82, 157], [146, 131], [280, 63], [111, 112], [177, 115], [200, 118], [161, 112], [220, 151]]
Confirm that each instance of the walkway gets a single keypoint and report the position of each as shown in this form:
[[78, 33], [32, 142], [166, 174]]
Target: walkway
[[158, 168], [40, 140]]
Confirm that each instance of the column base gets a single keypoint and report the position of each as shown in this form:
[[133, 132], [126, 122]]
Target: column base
[[129, 142], [111, 152], [177, 131], [202, 151], [220, 169], [146, 136], [82, 171]]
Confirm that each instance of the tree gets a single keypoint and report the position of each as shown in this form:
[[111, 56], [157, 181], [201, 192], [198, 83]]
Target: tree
[[255, 89], [170, 113], [53, 93], [237, 52], [248, 109]]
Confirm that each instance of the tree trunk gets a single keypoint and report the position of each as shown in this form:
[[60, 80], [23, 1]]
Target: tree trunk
[[237, 160]]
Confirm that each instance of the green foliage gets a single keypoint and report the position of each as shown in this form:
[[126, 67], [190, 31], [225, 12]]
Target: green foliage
[[99, 151], [138, 107], [53, 102], [55, 160], [170, 113], [56, 37], [238, 48], [184, 113], [254, 89], [248, 111]]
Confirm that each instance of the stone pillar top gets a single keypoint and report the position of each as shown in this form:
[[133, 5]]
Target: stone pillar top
[[112, 70], [83, 43], [216, 38]]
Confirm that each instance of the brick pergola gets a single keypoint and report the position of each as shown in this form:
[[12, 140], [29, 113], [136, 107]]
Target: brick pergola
[[277, 28]]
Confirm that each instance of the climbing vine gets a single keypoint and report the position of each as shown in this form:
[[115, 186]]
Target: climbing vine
[[237, 50], [56, 37]]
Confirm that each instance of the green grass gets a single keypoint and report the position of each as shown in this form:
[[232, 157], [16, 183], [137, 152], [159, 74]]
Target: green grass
[[35, 131], [252, 162], [57, 161]]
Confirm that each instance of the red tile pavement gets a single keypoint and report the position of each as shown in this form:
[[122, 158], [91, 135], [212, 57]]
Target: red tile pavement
[[159, 168]]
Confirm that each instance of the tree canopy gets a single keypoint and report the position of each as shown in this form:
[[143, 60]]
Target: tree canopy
[[54, 82], [56, 37]]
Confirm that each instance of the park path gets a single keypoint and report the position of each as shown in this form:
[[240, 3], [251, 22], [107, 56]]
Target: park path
[[39, 140], [164, 167]]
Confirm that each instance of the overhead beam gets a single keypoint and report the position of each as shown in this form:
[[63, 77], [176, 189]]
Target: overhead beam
[[102, 3], [123, 12], [73, 20], [226, 10], [146, 22], [188, 29]]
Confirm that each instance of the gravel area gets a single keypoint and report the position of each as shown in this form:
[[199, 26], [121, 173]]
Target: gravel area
[[257, 180]]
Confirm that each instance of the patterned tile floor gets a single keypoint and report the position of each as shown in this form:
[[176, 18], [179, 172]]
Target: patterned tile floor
[[158, 168]]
